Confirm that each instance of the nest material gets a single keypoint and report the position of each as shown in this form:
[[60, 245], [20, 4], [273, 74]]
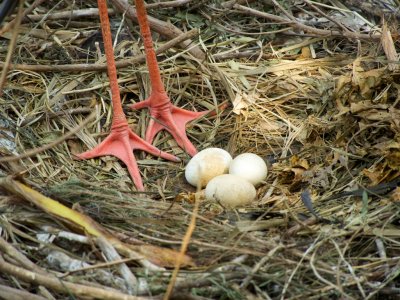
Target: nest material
[[322, 110]]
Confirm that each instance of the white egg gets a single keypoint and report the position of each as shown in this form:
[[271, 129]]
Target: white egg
[[250, 167], [206, 165], [230, 191]]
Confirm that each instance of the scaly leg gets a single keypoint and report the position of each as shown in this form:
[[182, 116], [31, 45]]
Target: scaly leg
[[122, 141], [164, 114]]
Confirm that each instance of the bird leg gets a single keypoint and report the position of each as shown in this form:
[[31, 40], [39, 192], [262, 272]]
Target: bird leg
[[122, 140], [164, 115]]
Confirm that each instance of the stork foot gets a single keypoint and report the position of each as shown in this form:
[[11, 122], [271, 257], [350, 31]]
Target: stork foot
[[171, 118], [120, 143]]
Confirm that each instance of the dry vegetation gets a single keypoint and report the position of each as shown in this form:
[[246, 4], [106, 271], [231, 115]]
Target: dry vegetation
[[312, 87]]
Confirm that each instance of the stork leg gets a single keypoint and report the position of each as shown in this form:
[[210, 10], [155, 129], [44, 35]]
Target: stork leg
[[164, 114], [122, 140]]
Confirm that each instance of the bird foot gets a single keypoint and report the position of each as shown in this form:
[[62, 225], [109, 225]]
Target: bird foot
[[169, 117], [120, 143]]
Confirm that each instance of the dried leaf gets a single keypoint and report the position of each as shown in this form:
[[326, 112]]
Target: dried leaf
[[395, 196], [292, 175], [375, 115], [374, 177], [357, 78], [305, 53], [366, 105], [297, 162], [238, 104], [266, 125], [242, 101], [389, 47]]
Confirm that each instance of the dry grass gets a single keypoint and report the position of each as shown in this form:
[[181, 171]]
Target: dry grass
[[323, 111]]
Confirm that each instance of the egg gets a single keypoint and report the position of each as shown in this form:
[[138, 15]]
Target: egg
[[206, 165], [230, 191], [250, 167]]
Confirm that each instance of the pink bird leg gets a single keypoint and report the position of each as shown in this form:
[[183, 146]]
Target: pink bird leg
[[164, 114], [122, 140]]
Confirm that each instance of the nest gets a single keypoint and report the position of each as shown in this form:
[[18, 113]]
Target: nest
[[313, 88]]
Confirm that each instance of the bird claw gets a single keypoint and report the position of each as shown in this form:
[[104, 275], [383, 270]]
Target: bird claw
[[171, 118], [120, 143]]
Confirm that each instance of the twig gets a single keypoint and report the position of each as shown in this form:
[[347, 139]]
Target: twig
[[94, 12], [340, 25], [229, 4], [11, 251], [26, 11], [9, 293], [71, 15], [290, 17], [102, 67], [296, 24], [389, 47], [168, 4], [149, 256], [50, 145], [166, 29], [100, 265], [62, 286], [11, 47], [111, 254], [185, 244]]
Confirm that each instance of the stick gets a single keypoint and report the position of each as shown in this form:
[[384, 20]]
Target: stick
[[102, 67], [63, 286]]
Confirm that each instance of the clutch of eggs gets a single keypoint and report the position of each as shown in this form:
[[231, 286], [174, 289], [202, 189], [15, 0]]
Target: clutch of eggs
[[209, 168]]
